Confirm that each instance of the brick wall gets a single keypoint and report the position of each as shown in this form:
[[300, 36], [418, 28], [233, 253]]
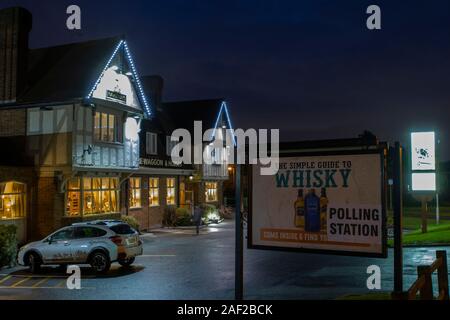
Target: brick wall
[[15, 25], [13, 122], [49, 207]]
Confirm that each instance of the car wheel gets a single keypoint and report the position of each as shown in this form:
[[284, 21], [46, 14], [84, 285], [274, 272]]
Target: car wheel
[[126, 262], [100, 262], [34, 262]]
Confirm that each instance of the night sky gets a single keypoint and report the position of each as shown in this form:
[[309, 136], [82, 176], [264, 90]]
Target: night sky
[[310, 68]]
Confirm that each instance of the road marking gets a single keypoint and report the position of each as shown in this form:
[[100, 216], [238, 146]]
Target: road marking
[[4, 279], [42, 275], [40, 282], [61, 284], [4, 287], [157, 255], [19, 282]]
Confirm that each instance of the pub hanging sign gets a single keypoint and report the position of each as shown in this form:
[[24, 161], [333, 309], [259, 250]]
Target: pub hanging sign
[[116, 96]]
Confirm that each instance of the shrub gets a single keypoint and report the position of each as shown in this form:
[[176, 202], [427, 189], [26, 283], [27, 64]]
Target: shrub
[[132, 221], [183, 216], [208, 209], [210, 213], [169, 217], [8, 245]]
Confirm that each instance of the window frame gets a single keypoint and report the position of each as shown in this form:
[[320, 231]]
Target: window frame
[[134, 191], [151, 189], [170, 145], [21, 196], [151, 139], [99, 127], [174, 188], [214, 190], [78, 188]]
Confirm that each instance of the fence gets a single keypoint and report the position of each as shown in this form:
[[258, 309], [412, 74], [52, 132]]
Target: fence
[[423, 286]]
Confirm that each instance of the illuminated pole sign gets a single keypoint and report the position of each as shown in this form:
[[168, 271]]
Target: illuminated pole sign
[[423, 161]]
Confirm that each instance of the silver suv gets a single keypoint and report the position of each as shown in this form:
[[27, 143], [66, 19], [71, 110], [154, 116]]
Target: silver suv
[[98, 243]]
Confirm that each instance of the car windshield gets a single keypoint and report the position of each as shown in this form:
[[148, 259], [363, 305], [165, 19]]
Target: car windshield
[[122, 229]]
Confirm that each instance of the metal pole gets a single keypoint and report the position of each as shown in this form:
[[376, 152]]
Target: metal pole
[[239, 254], [437, 208], [390, 196], [424, 214], [398, 224]]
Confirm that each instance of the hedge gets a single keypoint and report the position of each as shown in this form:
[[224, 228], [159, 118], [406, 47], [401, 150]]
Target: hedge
[[8, 245]]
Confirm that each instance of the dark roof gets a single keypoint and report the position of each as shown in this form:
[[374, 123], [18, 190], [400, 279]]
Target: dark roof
[[65, 72], [184, 113]]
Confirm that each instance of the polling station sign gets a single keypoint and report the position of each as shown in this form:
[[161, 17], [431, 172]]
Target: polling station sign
[[321, 202]]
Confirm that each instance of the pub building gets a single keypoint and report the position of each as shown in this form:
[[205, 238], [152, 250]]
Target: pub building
[[159, 183], [69, 128]]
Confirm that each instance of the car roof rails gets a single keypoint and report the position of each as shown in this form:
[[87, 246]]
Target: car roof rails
[[96, 222]]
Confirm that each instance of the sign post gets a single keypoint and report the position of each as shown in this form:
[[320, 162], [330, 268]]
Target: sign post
[[239, 254], [424, 213], [437, 208], [398, 221], [423, 167]]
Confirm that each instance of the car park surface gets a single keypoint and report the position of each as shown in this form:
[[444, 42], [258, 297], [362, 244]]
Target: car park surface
[[180, 265]]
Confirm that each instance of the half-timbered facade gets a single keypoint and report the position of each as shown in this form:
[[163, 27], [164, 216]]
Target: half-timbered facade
[[160, 183], [73, 126]]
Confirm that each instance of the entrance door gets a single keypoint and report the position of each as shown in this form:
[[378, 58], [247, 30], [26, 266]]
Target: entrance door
[[186, 197]]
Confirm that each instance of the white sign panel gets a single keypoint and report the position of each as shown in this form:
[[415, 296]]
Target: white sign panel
[[424, 181], [423, 151], [328, 203]]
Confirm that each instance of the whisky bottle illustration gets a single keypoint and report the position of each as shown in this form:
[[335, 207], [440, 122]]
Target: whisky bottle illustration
[[299, 207], [323, 208], [312, 212]]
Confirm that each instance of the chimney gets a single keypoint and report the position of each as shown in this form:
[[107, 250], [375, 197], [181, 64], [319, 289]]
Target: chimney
[[153, 88], [15, 26]]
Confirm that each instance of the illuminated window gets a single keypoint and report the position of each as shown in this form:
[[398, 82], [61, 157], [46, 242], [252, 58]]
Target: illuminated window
[[73, 197], [135, 192], [153, 192], [111, 128], [170, 191], [12, 203], [97, 126], [211, 191], [105, 128], [100, 195]]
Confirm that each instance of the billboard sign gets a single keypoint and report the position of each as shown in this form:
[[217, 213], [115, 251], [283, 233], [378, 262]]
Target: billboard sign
[[423, 151], [321, 202], [423, 161]]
